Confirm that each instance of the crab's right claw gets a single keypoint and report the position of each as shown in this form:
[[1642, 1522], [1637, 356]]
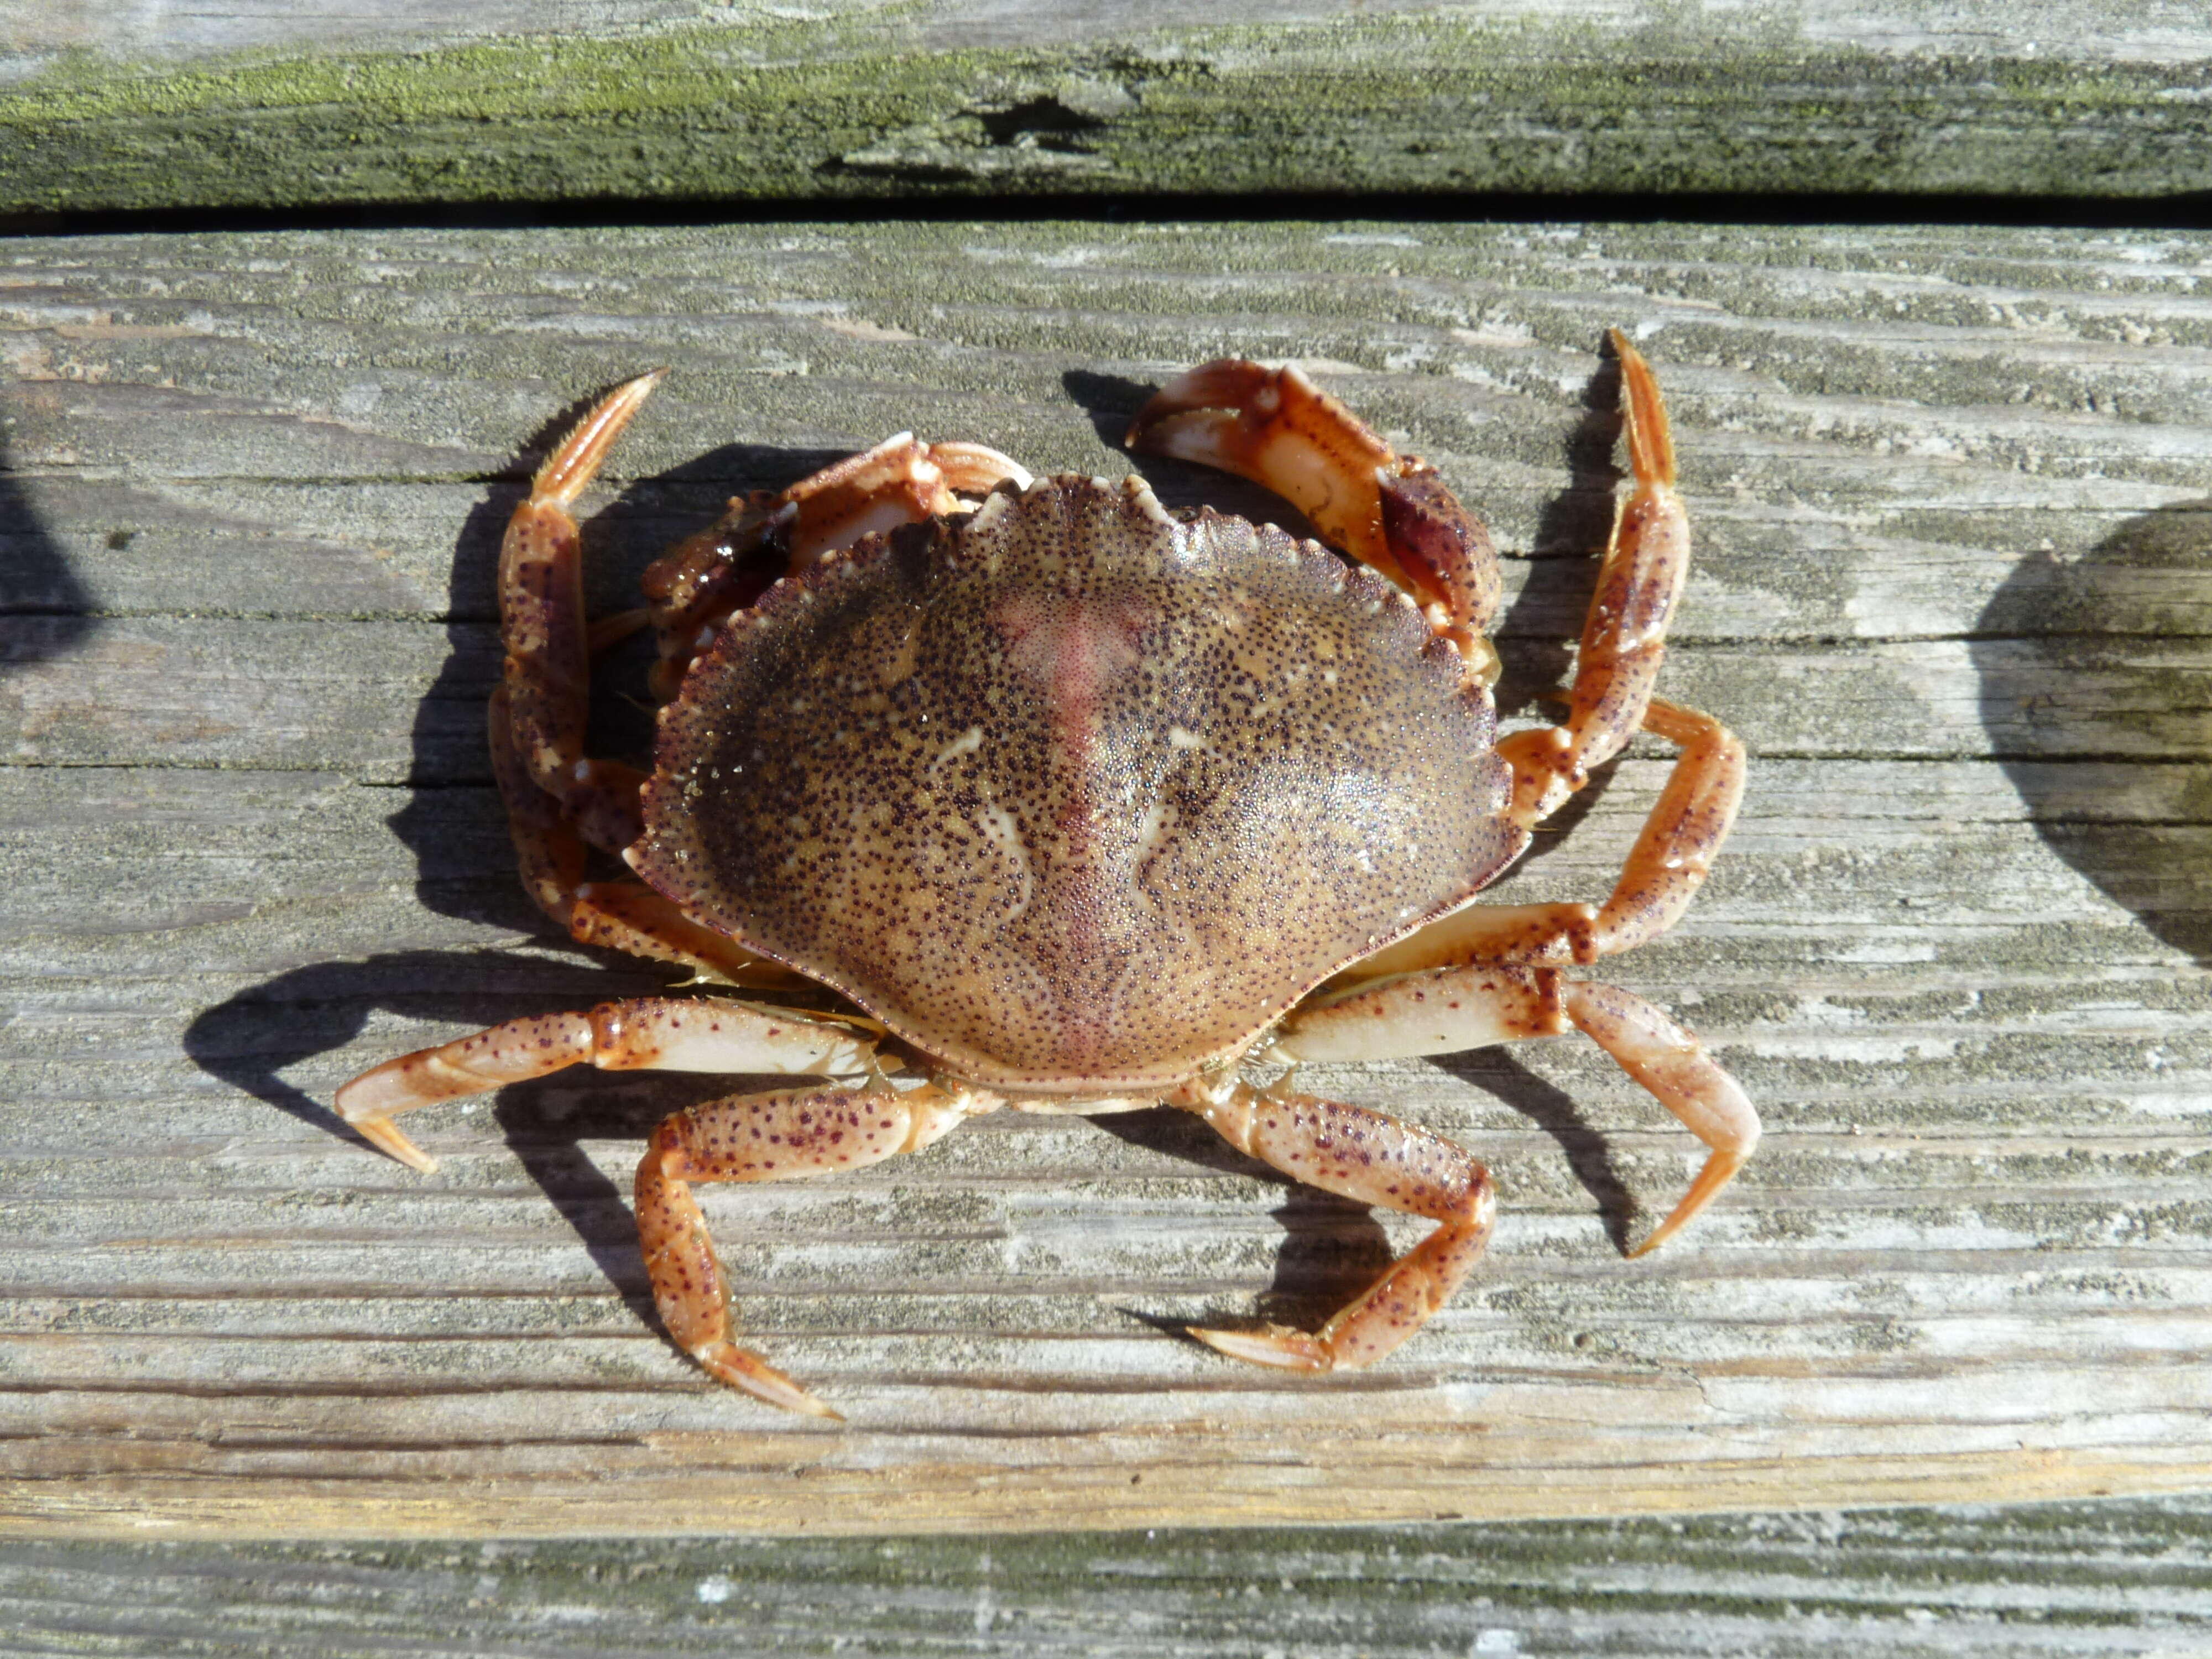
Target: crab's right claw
[[1389, 511], [1276, 428]]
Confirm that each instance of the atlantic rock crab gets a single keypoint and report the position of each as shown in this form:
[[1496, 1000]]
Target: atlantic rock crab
[[1082, 807]]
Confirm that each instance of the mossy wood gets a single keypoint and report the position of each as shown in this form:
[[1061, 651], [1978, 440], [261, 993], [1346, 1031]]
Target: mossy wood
[[2117, 1579], [631, 102], [1951, 585]]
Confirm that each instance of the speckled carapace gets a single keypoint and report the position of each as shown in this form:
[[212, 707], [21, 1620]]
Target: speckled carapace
[[1073, 796], [1083, 808]]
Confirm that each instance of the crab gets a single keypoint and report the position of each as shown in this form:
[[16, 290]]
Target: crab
[[1081, 807]]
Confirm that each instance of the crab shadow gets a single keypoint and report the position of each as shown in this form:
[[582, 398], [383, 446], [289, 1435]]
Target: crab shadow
[[1333, 1247], [2091, 679], [45, 608], [253, 1040]]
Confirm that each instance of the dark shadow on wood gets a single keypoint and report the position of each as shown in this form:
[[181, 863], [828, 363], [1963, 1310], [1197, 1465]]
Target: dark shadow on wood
[[545, 1123], [1536, 635], [962, 198], [2121, 801], [44, 607], [250, 1040], [1495, 1071], [1333, 1248]]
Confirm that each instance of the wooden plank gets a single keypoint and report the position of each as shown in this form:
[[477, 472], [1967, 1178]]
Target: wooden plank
[[642, 101], [1949, 488], [2080, 1579]]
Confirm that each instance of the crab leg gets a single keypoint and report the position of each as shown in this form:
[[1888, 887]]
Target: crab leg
[[665, 1034], [1375, 1159], [775, 1137], [623, 915], [1625, 635], [1452, 1009], [1389, 511], [546, 847], [1682, 833], [628, 915], [547, 676]]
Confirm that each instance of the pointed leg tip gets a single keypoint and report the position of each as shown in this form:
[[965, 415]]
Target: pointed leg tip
[[749, 1373], [384, 1135], [1277, 1347], [576, 459], [630, 393]]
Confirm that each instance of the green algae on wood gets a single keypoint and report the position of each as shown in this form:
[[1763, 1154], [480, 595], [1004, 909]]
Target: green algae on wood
[[2108, 1578], [782, 110]]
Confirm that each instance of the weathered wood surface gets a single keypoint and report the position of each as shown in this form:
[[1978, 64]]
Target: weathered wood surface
[[2111, 1578], [1952, 587], [630, 102]]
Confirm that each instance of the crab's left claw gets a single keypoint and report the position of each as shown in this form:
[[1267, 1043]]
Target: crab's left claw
[[898, 481]]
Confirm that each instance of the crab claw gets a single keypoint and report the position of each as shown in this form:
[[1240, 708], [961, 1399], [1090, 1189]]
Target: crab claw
[[898, 481], [1387, 510], [1277, 428]]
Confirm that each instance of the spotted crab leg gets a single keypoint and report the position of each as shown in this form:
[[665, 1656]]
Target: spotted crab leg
[[1624, 634], [546, 678], [559, 801], [666, 1034], [1389, 511], [773, 1137], [1452, 1009], [1375, 1159], [1681, 835], [624, 915]]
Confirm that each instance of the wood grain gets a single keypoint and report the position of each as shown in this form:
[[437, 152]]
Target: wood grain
[[1952, 576], [397, 103], [2115, 1577]]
